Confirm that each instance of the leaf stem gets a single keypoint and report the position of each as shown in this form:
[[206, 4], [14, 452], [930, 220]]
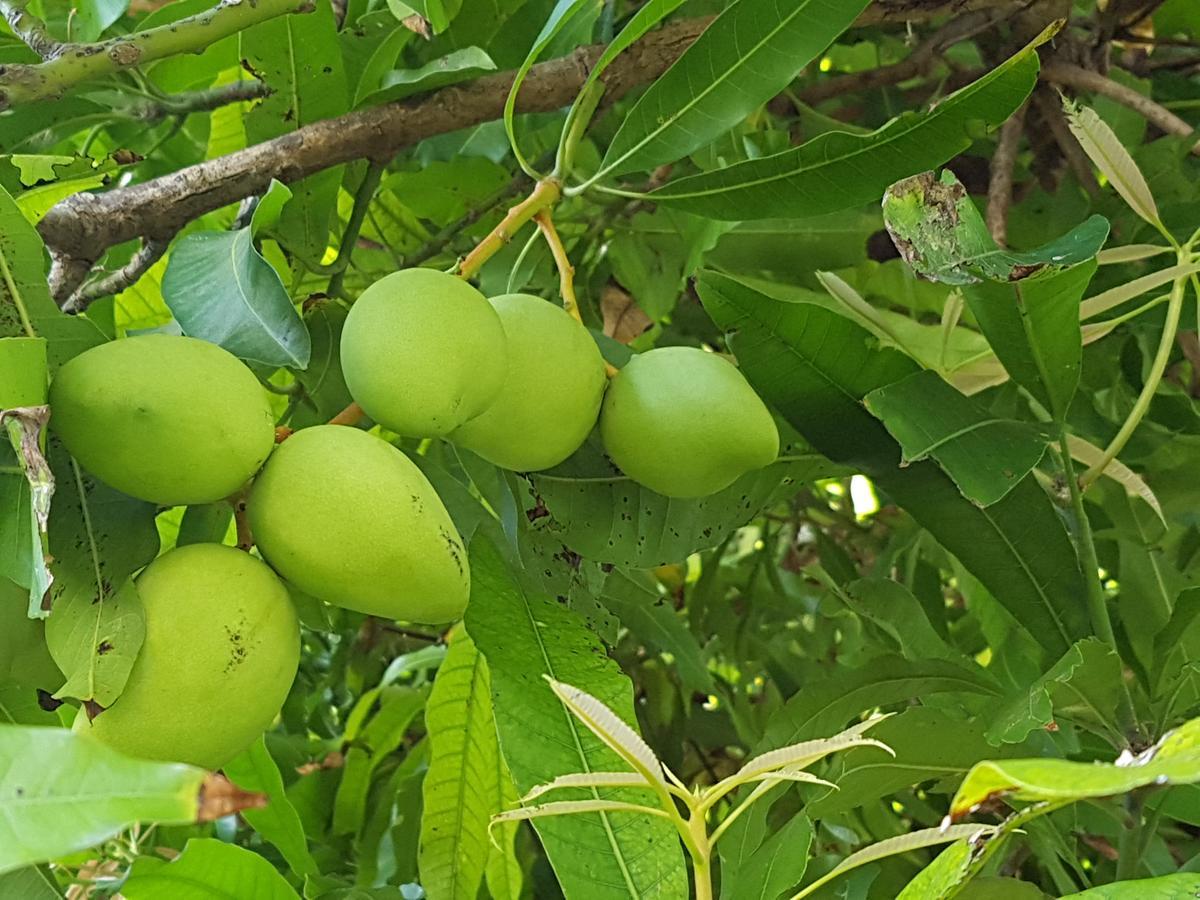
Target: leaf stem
[[1086, 545], [1142, 405], [1130, 845], [545, 194], [362, 201], [566, 271]]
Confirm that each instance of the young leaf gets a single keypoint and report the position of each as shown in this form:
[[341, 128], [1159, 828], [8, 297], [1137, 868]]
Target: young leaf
[[1133, 483], [904, 843], [1111, 158], [986, 456], [587, 780], [206, 868], [1113, 297], [838, 170], [63, 792], [808, 752], [743, 59], [460, 790], [525, 636], [574, 808]]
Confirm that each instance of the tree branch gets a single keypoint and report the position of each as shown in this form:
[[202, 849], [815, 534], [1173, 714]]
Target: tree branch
[[75, 63], [1082, 79], [1000, 180], [79, 229], [29, 29], [1050, 109], [115, 282], [201, 101]]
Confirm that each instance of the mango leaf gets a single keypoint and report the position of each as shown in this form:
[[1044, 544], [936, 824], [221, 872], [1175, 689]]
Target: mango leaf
[[760, 863], [277, 822], [299, 58], [904, 843], [99, 538], [938, 879], [814, 367], [26, 309], [892, 607], [1033, 326], [220, 289], [469, 62], [941, 234], [525, 636], [63, 792], [1175, 759], [1180, 886], [206, 868], [1111, 158], [1114, 297], [838, 170], [1084, 687], [462, 788], [607, 517], [325, 391], [31, 883], [986, 456], [744, 58]]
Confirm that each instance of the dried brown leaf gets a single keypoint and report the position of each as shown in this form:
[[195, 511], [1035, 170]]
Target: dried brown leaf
[[220, 797], [624, 320]]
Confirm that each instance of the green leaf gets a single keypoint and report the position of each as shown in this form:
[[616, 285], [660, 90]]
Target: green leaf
[[99, 538], [207, 869], [941, 234], [61, 792], [607, 517], [462, 789], [299, 58], [460, 65], [986, 456], [945, 873], [636, 599], [325, 391], [1111, 158], [891, 606], [220, 289], [1084, 687], [1175, 759], [814, 367], [32, 883], [838, 170], [94, 17], [760, 863], [278, 822], [525, 636], [748, 55], [1033, 326], [1180, 886], [26, 309]]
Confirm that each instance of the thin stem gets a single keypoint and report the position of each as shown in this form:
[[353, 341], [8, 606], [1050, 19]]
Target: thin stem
[[11, 286], [351, 415], [1130, 846], [545, 194], [1159, 366], [362, 201], [566, 271], [1086, 545], [702, 873]]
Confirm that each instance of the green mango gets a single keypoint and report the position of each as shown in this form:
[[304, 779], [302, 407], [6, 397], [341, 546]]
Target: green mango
[[348, 518], [423, 352], [168, 419], [221, 650], [551, 395], [23, 655], [685, 423]]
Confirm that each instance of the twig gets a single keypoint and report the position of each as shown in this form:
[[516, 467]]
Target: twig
[[1083, 79], [1001, 181], [545, 194], [30, 29], [115, 282], [1051, 112], [439, 241], [76, 63], [566, 271], [362, 201], [201, 101]]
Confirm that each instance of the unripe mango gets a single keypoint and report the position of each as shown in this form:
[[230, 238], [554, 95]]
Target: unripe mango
[[23, 654], [168, 419], [221, 650], [551, 395], [685, 423], [348, 518], [423, 352]]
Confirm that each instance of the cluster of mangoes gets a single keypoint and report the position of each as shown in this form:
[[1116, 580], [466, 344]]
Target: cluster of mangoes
[[338, 512]]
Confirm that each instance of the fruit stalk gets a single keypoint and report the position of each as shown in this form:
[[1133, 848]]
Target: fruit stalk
[[545, 194], [566, 271]]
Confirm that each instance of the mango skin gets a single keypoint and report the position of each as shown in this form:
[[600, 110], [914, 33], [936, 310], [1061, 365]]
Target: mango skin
[[685, 423], [423, 352], [24, 657], [346, 517], [221, 650], [551, 395], [168, 419]]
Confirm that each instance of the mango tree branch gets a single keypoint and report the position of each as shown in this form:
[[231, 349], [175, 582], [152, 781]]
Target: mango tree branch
[[29, 29], [71, 64], [81, 228]]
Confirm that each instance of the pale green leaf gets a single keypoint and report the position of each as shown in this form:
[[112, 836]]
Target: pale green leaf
[[207, 869], [1135, 486], [1180, 886], [1111, 158], [589, 779], [1113, 297]]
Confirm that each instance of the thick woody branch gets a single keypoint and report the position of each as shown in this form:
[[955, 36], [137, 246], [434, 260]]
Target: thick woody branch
[[29, 29], [71, 64], [81, 228], [1082, 79]]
